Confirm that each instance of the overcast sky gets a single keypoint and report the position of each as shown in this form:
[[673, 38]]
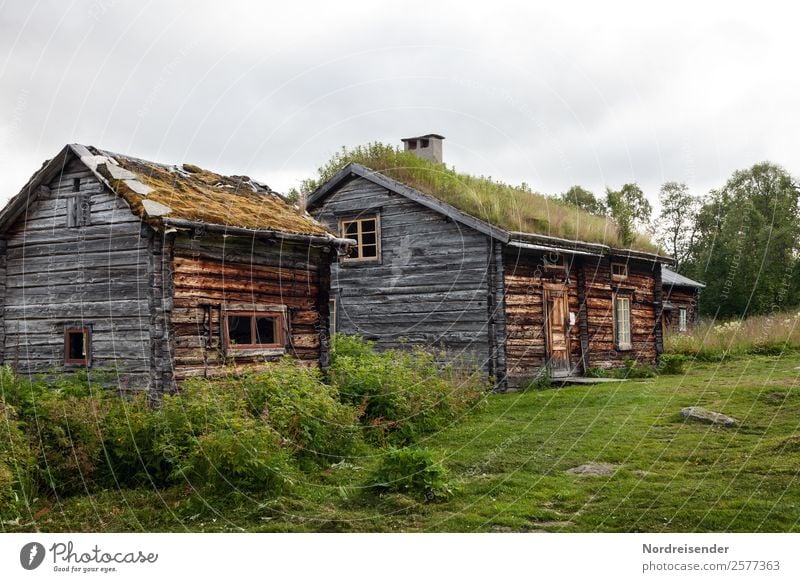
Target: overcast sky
[[553, 94]]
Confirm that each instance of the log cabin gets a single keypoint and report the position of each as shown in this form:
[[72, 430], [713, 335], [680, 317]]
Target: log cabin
[[157, 273], [431, 268], [681, 298]]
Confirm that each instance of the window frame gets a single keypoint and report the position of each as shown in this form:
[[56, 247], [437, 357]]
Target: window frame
[[619, 276], [618, 343], [683, 319], [344, 221], [280, 331], [332, 316], [86, 332]]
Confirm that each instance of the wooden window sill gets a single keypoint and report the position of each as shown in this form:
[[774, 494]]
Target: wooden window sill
[[254, 352]]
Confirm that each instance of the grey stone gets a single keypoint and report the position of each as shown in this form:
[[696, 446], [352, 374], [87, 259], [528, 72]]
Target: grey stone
[[593, 469], [700, 414]]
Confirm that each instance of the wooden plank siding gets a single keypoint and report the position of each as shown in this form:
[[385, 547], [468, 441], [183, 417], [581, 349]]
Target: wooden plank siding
[[209, 271], [93, 275], [432, 285]]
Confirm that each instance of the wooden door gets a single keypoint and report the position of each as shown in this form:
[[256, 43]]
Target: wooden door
[[557, 329]]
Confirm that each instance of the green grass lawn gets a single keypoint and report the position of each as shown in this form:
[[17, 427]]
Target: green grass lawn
[[509, 463]]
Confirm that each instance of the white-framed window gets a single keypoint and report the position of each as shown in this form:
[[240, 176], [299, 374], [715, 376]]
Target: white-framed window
[[682, 319], [622, 322], [366, 231], [619, 271], [332, 315]]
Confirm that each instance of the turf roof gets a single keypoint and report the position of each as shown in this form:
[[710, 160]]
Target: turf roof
[[188, 192], [511, 208]]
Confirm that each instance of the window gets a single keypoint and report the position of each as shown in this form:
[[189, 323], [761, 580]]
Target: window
[[366, 232], [622, 322], [78, 211], [619, 271], [682, 313], [252, 329], [412, 144], [76, 184], [332, 315], [77, 346], [423, 143]]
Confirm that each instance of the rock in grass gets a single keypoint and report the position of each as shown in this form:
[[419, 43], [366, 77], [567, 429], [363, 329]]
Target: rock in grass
[[700, 414], [593, 469]]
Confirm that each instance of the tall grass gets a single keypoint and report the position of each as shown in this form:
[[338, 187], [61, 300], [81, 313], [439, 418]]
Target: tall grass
[[513, 208], [760, 334]]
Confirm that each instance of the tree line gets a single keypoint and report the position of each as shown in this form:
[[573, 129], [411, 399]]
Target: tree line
[[742, 240]]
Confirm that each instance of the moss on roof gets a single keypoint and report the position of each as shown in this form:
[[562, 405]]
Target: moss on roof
[[193, 193], [512, 208]]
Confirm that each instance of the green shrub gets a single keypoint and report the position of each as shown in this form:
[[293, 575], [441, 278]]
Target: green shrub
[[130, 438], [633, 369], [68, 436], [401, 394], [412, 471], [17, 465], [541, 381], [244, 456], [307, 413], [596, 373], [671, 364]]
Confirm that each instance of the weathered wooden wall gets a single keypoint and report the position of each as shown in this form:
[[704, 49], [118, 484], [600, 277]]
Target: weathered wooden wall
[[431, 286], [526, 350], [680, 297], [209, 271], [640, 284], [93, 275]]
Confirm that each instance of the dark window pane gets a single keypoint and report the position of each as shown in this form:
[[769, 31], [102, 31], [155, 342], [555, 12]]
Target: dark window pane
[[265, 330], [368, 226], [351, 228], [76, 347], [368, 238], [239, 332], [353, 253], [369, 251]]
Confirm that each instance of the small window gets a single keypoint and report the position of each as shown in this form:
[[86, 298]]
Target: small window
[[247, 330], [366, 232], [78, 211], [619, 271], [76, 184], [682, 319], [412, 144], [332, 316], [622, 322], [423, 143], [77, 346]]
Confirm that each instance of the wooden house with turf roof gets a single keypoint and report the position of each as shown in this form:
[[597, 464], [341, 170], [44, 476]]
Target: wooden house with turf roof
[[158, 272], [511, 280]]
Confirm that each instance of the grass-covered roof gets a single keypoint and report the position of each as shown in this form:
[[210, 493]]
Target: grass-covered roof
[[512, 208], [192, 193]]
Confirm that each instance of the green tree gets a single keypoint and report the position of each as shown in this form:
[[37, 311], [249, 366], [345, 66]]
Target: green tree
[[630, 210], [584, 199], [676, 228], [747, 243]]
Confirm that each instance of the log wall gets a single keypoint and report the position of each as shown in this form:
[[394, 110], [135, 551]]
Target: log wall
[[209, 271], [432, 285], [680, 297]]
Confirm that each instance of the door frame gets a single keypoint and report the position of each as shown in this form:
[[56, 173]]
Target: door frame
[[547, 289]]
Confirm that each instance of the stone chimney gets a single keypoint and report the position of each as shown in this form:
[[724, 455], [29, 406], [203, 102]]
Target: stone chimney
[[425, 146]]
